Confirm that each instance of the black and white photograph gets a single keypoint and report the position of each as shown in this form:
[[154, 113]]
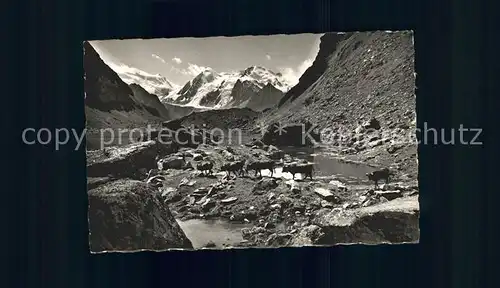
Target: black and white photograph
[[271, 141]]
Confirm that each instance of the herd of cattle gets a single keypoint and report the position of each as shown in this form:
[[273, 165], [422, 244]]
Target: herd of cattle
[[242, 168]]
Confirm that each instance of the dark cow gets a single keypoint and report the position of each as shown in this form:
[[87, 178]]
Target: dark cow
[[294, 168], [378, 175], [205, 166], [234, 166], [259, 166]]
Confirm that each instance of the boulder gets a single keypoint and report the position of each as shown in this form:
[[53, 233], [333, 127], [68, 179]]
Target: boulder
[[372, 124], [307, 236], [395, 221], [172, 162], [325, 194], [127, 215], [265, 184], [93, 182], [197, 157], [123, 162], [337, 185]]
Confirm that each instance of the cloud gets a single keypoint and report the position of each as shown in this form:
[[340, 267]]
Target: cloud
[[292, 75], [177, 60], [130, 74], [268, 57], [157, 57], [194, 69]]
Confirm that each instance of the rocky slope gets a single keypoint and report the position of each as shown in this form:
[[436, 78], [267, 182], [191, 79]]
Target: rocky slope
[[110, 102], [255, 87], [357, 77], [150, 101]]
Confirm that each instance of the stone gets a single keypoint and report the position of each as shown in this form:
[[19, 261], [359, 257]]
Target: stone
[[375, 143], [395, 221], [294, 187], [372, 124], [128, 215], [93, 182], [172, 162], [210, 244], [269, 225], [183, 182], [265, 184], [337, 185], [229, 200], [168, 190], [307, 236], [200, 192], [271, 196], [389, 194], [207, 204], [324, 194], [123, 162], [275, 206], [156, 180], [326, 204], [197, 157]]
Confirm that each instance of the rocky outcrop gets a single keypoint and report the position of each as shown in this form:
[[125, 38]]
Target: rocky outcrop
[[131, 161], [327, 47], [128, 215], [395, 221]]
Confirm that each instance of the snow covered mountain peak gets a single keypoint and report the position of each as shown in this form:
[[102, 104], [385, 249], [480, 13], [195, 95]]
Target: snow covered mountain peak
[[153, 83], [226, 89]]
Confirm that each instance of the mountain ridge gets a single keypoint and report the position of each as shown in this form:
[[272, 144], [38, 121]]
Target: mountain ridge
[[110, 102], [229, 89], [355, 76]]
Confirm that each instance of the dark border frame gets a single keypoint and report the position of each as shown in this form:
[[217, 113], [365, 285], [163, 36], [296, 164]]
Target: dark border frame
[[452, 72]]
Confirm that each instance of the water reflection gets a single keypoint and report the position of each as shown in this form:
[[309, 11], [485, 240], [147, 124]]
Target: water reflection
[[325, 165], [201, 232]]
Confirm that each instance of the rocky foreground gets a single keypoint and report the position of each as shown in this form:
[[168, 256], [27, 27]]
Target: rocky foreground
[[136, 191], [359, 93]]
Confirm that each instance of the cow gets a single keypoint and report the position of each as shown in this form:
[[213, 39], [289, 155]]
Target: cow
[[205, 166], [378, 175], [294, 168], [234, 166], [258, 166]]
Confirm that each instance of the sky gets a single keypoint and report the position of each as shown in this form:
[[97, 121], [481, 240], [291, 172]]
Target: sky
[[181, 59]]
